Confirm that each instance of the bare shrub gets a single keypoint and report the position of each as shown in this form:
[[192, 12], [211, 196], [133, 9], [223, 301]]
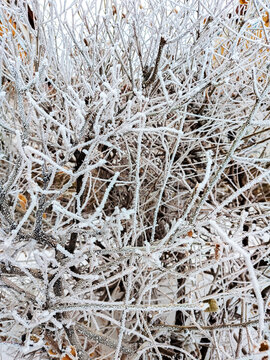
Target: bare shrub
[[134, 196]]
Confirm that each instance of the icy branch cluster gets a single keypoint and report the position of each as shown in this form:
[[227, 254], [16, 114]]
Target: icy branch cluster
[[134, 179]]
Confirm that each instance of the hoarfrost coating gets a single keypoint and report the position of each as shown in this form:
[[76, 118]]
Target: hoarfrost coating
[[134, 179]]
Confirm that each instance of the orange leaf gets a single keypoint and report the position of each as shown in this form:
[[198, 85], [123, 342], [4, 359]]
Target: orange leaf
[[4, 29], [72, 352], [22, 201], [266, 19], [51, 352], [190, 233], [22, 198]]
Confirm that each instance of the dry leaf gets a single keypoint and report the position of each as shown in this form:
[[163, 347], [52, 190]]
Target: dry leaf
[[34, 338], [213, 306], [264, 346], [217, 251], [72, 351], [52, 353], [22, 201]]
